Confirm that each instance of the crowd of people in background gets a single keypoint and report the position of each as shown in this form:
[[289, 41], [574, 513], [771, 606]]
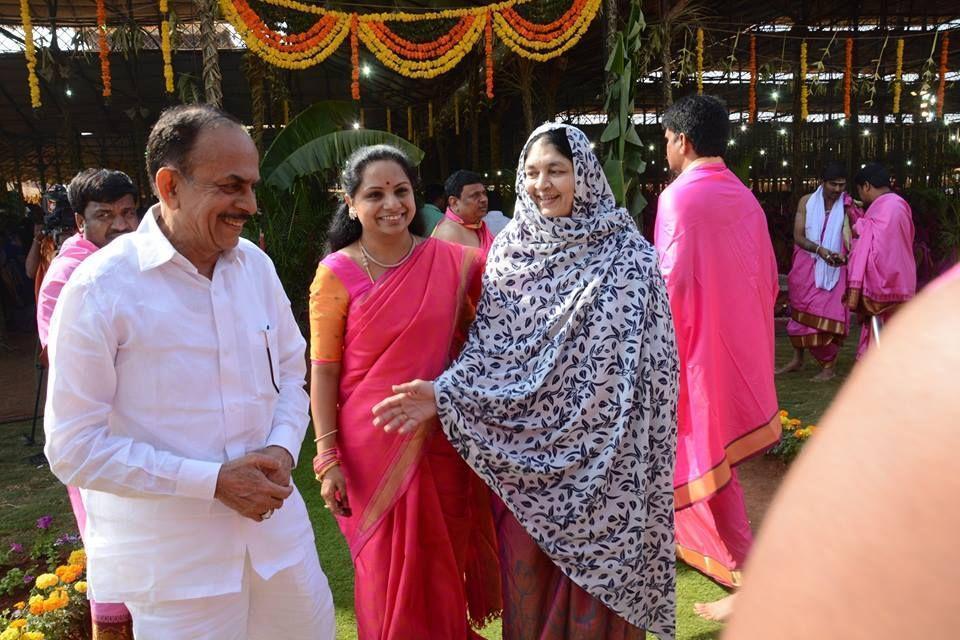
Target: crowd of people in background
[[526, 417]]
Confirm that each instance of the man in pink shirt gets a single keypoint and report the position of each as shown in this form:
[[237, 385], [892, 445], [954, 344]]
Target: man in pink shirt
[[882, 270], [721, 275], [105, 206]]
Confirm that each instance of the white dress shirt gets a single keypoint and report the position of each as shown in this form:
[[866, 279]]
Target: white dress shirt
[[158, 375], [496, 221]]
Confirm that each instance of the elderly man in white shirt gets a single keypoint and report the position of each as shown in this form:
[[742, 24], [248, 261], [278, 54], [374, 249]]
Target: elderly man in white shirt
[[176, 404]]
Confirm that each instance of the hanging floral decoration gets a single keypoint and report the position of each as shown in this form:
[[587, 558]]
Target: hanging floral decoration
[[848, 79], [898, 78], [165, 47], [942, 87], [430, 119], [488, 50], [354, 58], [753, 80], [389, 121], [699, 61], [104, 47], [429, 59], [804, 90], [410, 124], [363, 119], [31, 54]]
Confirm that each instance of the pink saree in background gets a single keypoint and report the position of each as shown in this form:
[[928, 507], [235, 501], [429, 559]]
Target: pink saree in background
[[882, 270], [721, 274], [421, 520]]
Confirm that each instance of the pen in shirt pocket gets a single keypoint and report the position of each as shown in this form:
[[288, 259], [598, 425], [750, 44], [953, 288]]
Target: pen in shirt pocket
[[266, 343]]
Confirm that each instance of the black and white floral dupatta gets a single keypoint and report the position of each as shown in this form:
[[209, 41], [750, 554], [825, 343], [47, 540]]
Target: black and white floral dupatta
[[564, 398]]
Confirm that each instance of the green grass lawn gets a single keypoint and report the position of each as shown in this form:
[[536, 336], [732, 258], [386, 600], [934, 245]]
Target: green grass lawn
[[28, 492]]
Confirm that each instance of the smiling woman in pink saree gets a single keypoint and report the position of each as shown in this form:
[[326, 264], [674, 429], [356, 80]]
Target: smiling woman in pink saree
[[387, 305]]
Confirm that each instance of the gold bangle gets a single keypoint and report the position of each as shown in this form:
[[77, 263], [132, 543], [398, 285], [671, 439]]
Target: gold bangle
[[326, 435]]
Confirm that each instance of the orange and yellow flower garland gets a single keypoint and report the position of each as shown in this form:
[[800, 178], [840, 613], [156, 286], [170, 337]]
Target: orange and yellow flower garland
[[941, 88], [804, 111], [104, 47], [753, 80], [31, 54], [848, 79], [354, 59], [165, 47], [898, 78], [293, 51], [699, 61], [488, 47], [412, 59]]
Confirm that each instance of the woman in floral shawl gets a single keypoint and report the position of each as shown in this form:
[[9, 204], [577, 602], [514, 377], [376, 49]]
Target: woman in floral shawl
[[564, 401]]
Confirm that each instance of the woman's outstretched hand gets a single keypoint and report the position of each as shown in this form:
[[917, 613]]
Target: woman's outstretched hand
[[415, 402]]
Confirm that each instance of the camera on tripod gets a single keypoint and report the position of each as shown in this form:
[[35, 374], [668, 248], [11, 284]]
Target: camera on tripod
[[58, 216]]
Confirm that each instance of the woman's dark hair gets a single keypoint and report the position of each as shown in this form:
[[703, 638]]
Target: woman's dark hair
[[556, 137], [344, 230]]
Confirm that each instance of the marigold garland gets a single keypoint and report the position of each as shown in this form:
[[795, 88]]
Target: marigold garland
[[389, 121], [165, 47], [941, 88], [848, 79], [488, 46], [898, 78], [104, 47], [699, 61], [412, 59], [753, 80], [804, 113], [354, 58], [31, 54]]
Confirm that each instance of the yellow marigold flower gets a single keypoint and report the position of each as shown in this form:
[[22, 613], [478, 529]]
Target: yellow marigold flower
[[69, 573], [784, 414], [47, 580], [78, 558], [16, 624], [80, 587], [36, 605], [10, 634], [20, 605], [795, 422], [33, 635]]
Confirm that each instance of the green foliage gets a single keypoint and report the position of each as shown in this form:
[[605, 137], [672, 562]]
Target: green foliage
[[318, 141], [623, 158]]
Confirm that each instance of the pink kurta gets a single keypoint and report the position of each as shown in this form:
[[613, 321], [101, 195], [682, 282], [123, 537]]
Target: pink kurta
[[721, 275], [882, 270], [75, 250]]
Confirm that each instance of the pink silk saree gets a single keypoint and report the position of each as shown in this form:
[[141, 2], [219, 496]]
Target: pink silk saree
[[421, 519], [721, 274]]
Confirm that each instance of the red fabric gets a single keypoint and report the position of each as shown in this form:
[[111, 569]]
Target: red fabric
[[421, 519]]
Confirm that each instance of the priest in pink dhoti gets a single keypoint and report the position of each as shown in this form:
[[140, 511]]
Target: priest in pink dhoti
[[819, 320], [882, 270], [721, 274], [466, 207]]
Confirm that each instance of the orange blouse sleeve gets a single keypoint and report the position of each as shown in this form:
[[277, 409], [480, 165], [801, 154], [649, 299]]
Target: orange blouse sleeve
[[328, 316]]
